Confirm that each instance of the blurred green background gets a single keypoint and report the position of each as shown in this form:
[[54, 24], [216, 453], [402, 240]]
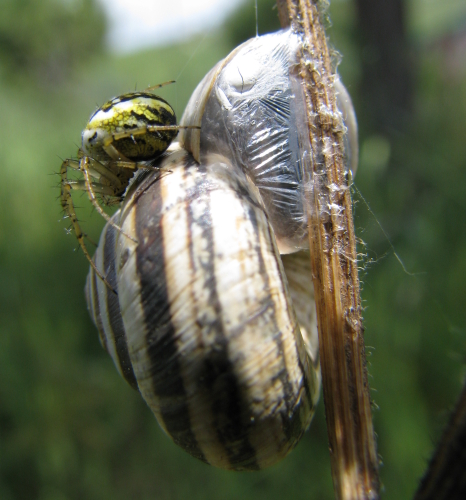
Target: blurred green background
[[70, 427]]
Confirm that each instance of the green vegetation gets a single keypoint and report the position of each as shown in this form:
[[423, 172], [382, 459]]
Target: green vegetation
[[45, 40], [71, 428]]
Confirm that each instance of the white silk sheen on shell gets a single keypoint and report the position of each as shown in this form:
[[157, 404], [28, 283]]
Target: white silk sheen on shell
[[250, 110], [243, 74]]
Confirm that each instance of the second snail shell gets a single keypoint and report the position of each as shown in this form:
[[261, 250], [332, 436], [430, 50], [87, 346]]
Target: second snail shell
[[250, 108]]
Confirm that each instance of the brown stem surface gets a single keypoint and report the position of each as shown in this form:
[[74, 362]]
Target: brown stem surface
[[334, 262]]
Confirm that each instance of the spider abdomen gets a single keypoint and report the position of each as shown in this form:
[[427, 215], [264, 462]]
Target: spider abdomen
[[136, 116]]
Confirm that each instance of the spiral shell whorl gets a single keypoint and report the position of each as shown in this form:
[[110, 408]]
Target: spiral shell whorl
[[208, 323]]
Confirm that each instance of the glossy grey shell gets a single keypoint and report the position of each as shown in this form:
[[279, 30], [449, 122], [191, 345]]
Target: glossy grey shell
[[203, 324], [250, 109]]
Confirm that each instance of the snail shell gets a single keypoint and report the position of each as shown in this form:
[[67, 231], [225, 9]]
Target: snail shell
[[203, 324], [250, 109]]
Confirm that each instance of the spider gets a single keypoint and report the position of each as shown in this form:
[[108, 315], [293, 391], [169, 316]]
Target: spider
[[127, 133]]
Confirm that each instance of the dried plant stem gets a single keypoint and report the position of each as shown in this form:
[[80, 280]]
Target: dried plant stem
[[334, 263]]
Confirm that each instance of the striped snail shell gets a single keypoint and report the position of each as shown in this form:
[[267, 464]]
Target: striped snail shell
[[250, 108], [203, 324]]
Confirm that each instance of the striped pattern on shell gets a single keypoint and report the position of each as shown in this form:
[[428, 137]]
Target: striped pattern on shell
[[203, 325]]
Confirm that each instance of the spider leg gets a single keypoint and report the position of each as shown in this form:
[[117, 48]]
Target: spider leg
[[143, 130], [68, 208], [97, 188], [112, 151], [132, 165], [155, 128], [96, 169], [153, 87], [96, 166], [91, 192]]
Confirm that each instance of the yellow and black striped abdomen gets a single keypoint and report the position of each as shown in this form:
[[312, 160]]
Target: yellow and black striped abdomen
[[141, 112], [203, 323]]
